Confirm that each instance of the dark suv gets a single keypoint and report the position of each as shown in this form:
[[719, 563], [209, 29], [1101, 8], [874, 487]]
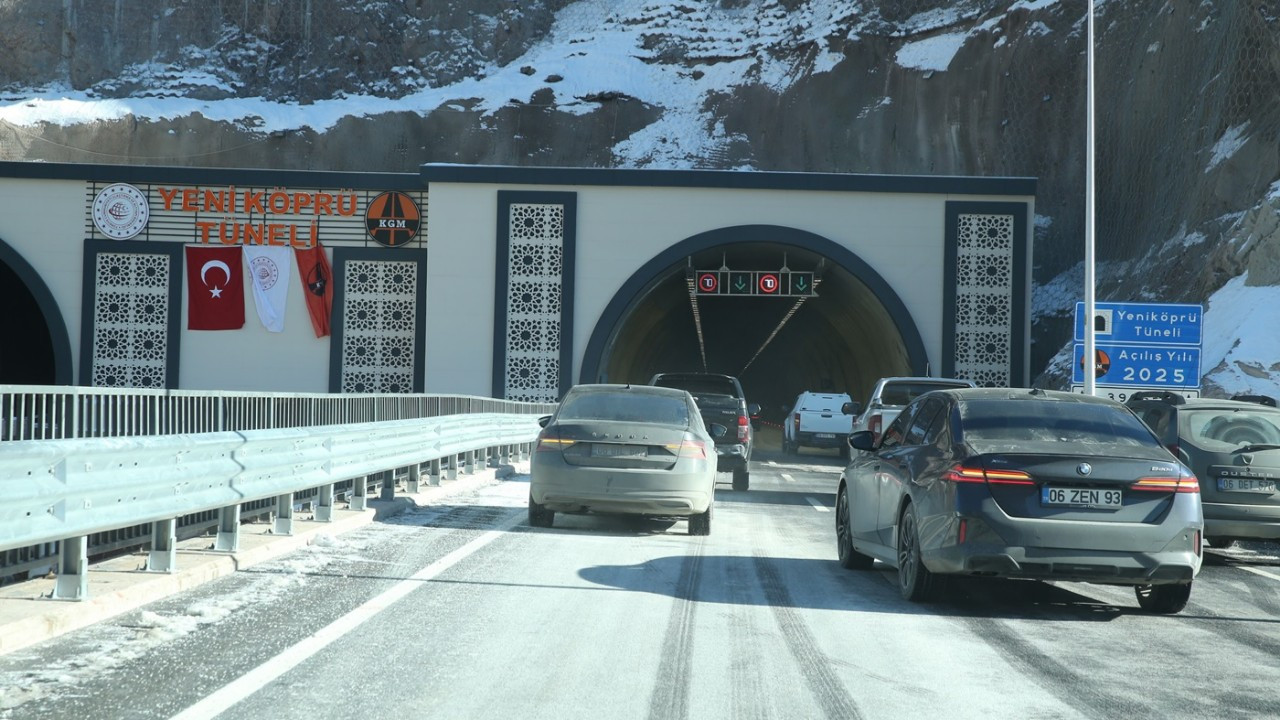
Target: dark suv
[[1233, 447], [720, 400]]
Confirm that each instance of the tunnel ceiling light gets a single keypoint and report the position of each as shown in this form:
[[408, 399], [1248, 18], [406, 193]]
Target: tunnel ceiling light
[[776, 330]]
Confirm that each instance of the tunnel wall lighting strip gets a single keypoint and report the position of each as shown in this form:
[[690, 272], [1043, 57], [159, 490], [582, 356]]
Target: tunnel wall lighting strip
[[697, 319]]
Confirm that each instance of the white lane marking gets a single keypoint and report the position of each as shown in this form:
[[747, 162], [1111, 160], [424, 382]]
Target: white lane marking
[[817, 505], [1256, 571], [787, 477], [256, 679]]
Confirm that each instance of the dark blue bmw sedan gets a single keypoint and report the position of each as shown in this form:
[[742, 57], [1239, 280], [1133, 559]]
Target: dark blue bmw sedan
[[1021, 483]]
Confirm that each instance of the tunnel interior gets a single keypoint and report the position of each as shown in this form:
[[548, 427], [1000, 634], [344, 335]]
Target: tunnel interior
[[26, 354], [843, 340]]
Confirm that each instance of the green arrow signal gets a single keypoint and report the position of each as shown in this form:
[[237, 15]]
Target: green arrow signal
[[740, 285], [801, 285]]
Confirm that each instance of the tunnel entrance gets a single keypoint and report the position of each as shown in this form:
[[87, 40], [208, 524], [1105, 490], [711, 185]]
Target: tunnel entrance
[[35, 349], [855, 331]]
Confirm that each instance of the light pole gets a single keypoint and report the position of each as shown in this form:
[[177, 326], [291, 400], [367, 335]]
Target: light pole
[[1090, 352]]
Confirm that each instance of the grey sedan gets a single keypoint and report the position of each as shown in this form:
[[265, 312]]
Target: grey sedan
[[1021, 484], [631, 449]]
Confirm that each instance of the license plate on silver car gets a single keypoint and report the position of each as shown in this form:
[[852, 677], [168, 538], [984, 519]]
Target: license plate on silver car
[[826, 436], [615, 450], [1081, 497], [1249, 485]]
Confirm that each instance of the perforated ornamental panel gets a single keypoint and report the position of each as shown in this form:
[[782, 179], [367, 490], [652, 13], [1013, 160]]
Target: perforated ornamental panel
[[984, 298], [130, 321], [536, 272], [379, 323]]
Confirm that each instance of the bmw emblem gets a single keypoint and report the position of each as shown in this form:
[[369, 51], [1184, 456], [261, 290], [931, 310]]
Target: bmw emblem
[[1084, 468]]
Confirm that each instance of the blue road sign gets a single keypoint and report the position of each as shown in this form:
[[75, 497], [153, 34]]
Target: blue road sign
[[1148, 366], [1153, 323]]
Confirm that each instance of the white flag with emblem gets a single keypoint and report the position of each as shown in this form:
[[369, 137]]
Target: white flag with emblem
[[269, 268]]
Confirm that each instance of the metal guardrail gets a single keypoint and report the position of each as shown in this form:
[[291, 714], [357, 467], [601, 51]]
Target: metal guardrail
[[86, 471], [55, 412]]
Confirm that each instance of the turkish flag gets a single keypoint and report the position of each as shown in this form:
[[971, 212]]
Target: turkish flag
[[215, 288], [317, 283]]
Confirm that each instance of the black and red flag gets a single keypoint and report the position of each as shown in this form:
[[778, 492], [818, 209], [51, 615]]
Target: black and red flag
[[317, 282]]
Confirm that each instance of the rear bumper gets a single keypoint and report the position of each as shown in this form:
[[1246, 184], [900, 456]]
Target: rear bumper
[[1122, 553], [1098, 566], [564, 488], [1242, 521], [811, 439], [731, 457]]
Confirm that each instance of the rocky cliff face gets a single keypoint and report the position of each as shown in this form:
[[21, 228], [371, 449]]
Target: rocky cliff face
[[1188, 96]]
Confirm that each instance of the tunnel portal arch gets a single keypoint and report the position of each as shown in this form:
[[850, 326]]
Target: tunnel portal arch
[[830, 340], [37, 347]]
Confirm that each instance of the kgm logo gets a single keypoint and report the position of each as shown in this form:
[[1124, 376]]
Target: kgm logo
[[392, 219]]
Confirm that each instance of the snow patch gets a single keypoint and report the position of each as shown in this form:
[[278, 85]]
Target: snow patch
[[935, 53], [1230, 356], [1230, 142]]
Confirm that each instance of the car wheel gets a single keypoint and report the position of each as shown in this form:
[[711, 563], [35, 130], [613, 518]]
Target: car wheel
[[539, 515], [741, 479], [850, 559], [700, 524], [915, 581], [1163, 599], [1219, 543]]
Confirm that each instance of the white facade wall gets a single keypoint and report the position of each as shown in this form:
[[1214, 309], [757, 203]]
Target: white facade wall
[[619, 228], [900, 235]]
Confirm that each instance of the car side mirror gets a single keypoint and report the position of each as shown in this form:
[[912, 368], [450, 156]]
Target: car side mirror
[[544, 420], [851, 408], [863, 440], [718, 431], [754, 410]]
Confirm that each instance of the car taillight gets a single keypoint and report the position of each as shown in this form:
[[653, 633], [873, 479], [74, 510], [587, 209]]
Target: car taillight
[[743, 425], [689, 449], [552, 444], [874, 425], [1185, 483], [1197, 543], [795, 420], [962, 474]]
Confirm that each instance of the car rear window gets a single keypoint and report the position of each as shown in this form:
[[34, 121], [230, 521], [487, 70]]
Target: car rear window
[[823, 403], [1226, 430], [904, 393], [998, 421], [625, 407], [699, 385]]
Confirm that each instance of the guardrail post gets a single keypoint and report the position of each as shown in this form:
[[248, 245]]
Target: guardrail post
[[284, 515], [433, 478], [469, 468], [453, 466], [228, 529], [73, 570], [415, 476], [324, 504], [388, 485], [164, 546], [360, 493]]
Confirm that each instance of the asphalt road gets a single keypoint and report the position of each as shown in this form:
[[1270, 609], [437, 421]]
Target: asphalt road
[[463, 611]]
